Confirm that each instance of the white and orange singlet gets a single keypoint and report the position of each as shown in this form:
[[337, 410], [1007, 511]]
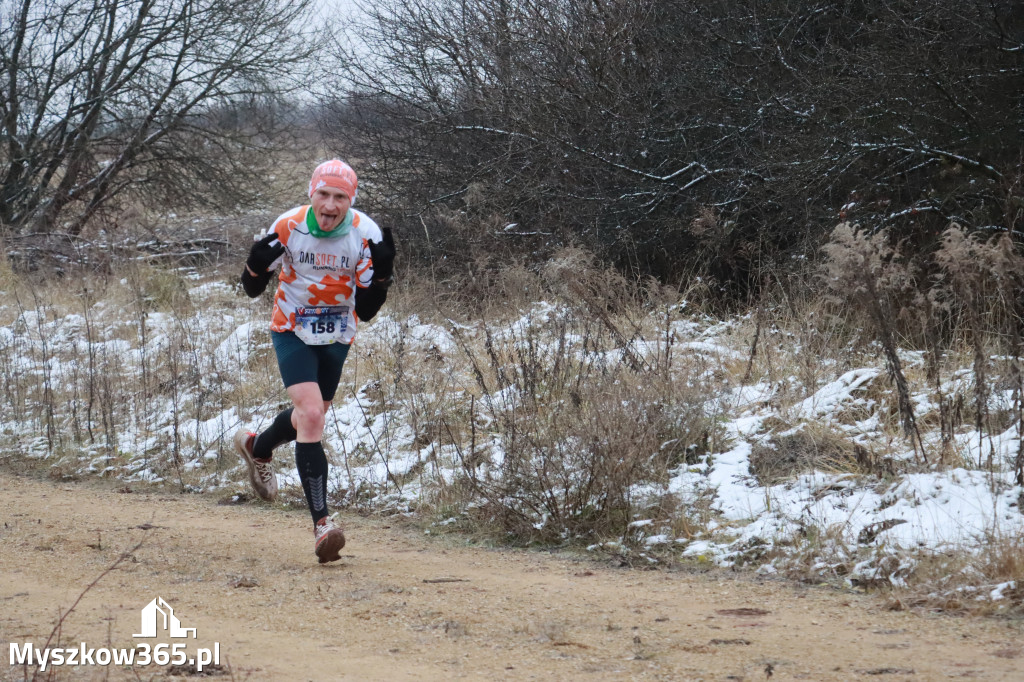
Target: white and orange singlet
[[316, 291]]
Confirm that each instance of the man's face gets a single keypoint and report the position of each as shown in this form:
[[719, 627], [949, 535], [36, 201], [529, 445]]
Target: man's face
[[330, 206]]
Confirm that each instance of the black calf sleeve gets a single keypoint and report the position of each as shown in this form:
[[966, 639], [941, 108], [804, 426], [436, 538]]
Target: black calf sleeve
[[278, 433], [311, 461]]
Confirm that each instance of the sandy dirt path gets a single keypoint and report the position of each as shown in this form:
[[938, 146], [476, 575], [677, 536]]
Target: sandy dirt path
[[403, 607]]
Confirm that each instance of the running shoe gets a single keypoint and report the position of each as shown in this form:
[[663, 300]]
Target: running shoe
[[328, 540], [261, 471]]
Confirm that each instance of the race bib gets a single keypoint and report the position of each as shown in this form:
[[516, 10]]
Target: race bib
[[321, 325]]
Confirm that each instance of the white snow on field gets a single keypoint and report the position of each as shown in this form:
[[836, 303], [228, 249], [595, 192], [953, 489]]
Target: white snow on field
[[379, 458], [232, 354]]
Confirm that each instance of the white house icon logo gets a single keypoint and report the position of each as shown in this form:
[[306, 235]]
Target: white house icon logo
[[151, 620]]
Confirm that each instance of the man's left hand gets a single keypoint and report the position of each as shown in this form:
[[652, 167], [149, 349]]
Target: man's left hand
[[383, 255]]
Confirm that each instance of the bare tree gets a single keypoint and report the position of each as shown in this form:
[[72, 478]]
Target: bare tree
[[104, 98], [677, 135]]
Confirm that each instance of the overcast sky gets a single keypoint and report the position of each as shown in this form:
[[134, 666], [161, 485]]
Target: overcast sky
[[340, 9], [343, 8]]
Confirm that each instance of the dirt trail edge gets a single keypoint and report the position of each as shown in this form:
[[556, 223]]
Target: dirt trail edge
[[403, 607]]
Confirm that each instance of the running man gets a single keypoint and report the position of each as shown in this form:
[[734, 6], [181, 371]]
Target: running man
[[335, 269]]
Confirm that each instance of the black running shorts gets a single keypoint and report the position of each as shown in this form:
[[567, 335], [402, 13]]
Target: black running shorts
[[299, 363]]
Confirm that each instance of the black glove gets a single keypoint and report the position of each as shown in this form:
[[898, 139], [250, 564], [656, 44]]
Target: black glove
[[383, 255], [262, 254]]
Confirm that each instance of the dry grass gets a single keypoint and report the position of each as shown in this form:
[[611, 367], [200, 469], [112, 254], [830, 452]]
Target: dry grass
[[550, 415], [962, 581], [120, 374], [546, 405], [813, 447]]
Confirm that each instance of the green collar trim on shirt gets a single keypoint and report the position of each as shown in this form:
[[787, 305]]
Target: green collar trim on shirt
[[339, 231]]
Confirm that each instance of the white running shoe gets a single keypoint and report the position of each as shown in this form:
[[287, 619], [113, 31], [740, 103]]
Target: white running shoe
[[261, 472], [328, 540]]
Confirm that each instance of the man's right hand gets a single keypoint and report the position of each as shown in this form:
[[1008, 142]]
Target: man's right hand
[[264, 253]]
